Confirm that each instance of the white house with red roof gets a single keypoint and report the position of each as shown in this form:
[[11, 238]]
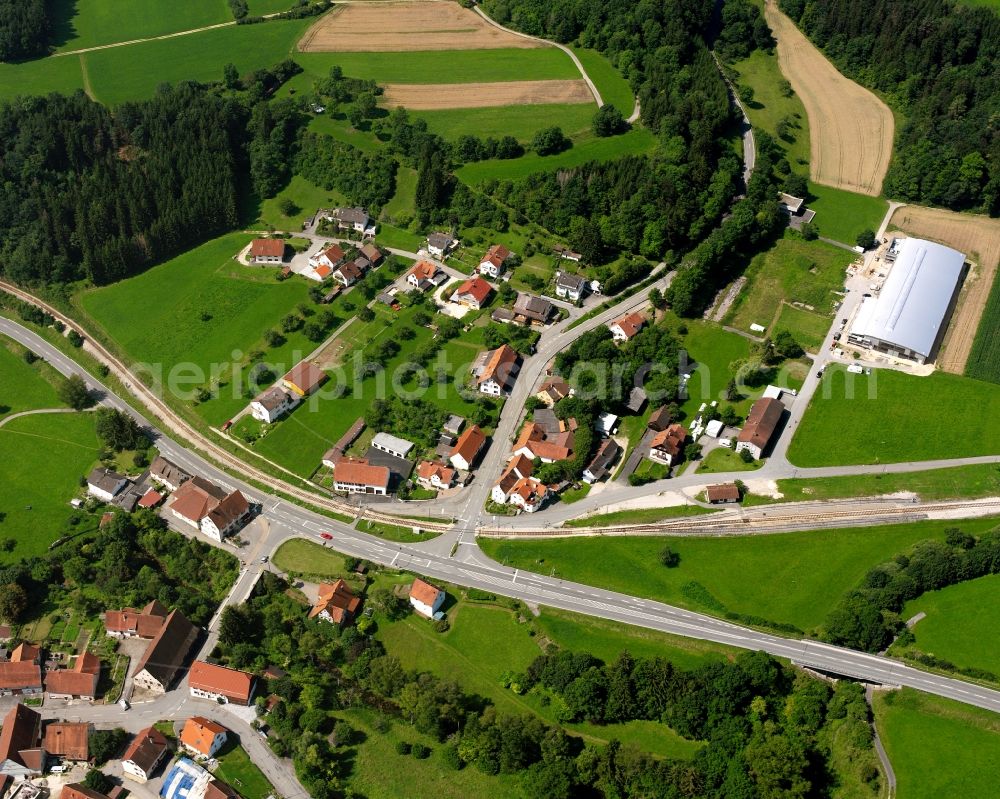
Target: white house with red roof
[[433, 474], [473, 293], [626, 328], [267, 251], [426, 599], [494, 261]]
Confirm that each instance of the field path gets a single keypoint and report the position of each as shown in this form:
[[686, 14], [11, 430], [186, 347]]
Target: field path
[[850, 129], [14, 416]]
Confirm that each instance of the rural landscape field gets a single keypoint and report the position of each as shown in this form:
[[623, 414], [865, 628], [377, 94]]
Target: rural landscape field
[[499, 398]]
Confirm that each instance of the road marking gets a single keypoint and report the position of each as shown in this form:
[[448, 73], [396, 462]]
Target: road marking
[[394, 559], [514, 578]]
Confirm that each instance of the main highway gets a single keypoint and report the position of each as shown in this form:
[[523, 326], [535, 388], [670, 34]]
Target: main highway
[[464, 564]]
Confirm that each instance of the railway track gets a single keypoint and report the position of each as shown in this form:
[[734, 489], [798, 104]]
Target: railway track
[[172, 420]]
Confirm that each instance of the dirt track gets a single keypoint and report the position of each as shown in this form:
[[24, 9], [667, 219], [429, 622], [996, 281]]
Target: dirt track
[[393, 26], [850, 129], [432, 96], [979, 238]]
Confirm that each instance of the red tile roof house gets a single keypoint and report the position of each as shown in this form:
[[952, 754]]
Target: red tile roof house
[[528, 494], [425, 598], [360, 477], [164, 657], [77, 790], [21, 675], [68, 740], [467, 448], [332, 257], [21, 752], [432, 474], [131, 623], [207, 507], [203, 737], [626, 328], [424, 275], [304, 379], [336, 604], [473, 293], [492, 264], [148, 749], [209, 681], [267, 251], [348, 274], [80, 682], [535, 443], [496, 371], [761, 423], [723, 493], [666, 446]]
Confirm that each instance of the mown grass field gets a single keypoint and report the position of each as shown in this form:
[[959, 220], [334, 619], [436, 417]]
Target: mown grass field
[[967, 482], [721, 460], [155, 318], [961, 623], [41, 76], [937, 747], [807, 327], [306, 195], [984, 359], [24, 387], [519, 121], [888, 417], [842, 215], [236, 768], [610, 82], [792, 578], [88, 23], [44, 457]]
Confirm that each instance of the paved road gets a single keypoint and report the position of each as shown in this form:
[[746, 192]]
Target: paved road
[[749, 144], [470, 567]]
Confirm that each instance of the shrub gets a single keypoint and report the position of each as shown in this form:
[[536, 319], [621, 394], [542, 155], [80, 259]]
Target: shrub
[[403, 748]]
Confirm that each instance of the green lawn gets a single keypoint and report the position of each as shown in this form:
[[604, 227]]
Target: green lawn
[[236, 769], [585, 148], [712, 350], [792, 578], [395, 532], [965, 482], [723, 459], [610, 82], [807, 327], [307, 558], [87, 23], [792, 271], [884, 418], [939, 748], [637, 516], [519, 121], [51, 453], [842, 215], [24, 387], [41, 76], [406, 192], [961, 623], [307, 196], [156, 319]]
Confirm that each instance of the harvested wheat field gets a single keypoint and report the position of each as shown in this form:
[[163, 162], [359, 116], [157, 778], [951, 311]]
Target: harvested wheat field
[[979, 238], [389, 26], [434, 96], [850, 129]]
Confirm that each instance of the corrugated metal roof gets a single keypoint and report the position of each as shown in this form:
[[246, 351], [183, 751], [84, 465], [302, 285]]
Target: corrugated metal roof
[[914, 299]]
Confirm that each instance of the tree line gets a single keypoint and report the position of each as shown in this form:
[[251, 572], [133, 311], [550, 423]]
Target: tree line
[[24, 29]]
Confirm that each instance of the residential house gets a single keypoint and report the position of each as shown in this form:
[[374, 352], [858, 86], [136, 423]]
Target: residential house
[[355, 219], [440, 244], [336, 603], [474, 293], [528, 494], [304, 379], [553, 390], [148, 749], [150, 499], [20, 678], [494, 262], [330, 258], [570, 287], [21, 753], [762, 421], [435, 475], [68, 740], [394, 445], [425, 276], [496, 370], [105, 484], [357, 476], [267, 251], [667, 445], [209, 508], [374, 255], [425, 598], [626, 328], [272, 404], [529, 310], [600, 466], [167, 474], [203, 737], [164, 657], [519, 467], [221, 684], [131, 623], [467, 448], [348, 274], [659, 419], [80, 682], [723, 493], [534, 442]]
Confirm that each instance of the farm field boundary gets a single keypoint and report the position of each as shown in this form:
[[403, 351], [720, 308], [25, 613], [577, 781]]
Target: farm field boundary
[[433, 96]]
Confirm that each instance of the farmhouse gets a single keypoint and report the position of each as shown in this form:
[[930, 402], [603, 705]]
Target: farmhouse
[[148, 749], [761, 423], [333, 455], [909, 315], [80, 682], [167, 474], [425, 276], [336, 604], [467, 448], [493, 263], [496, 370], [473, 293], [105, 484], [267, 251], [425, 598], [599, 467], [131, 623], [440, 244], [201, 504], [432, 474], [166, 653], [529, 309], [203, 737], [21, 752], [357, 476], [553, 390], [20, 678], [67, 740], [534, 442], [723, 493], [355, 219], [304, 379], [667, 445], [570, 287], [393, 445], [208, 681], [626, 328], [272, 404]]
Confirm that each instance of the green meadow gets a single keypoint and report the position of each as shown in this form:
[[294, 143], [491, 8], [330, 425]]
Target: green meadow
[[842, 215], [519, 121], [610, 82], [24, 387]]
